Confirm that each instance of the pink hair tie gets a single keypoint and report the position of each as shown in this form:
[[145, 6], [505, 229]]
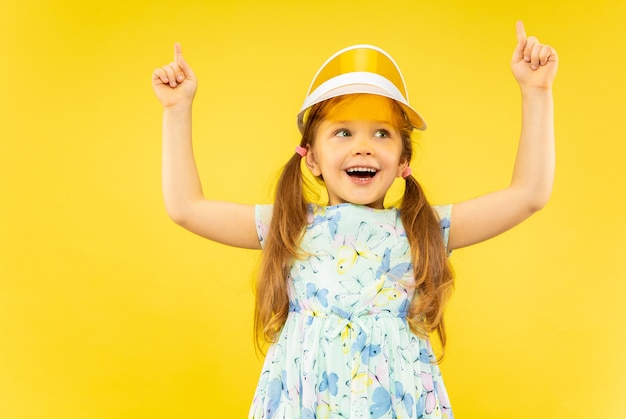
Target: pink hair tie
[[407, 172], [301, 151]]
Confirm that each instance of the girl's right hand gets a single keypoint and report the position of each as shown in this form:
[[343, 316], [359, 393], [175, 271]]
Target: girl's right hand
[[175, 83]]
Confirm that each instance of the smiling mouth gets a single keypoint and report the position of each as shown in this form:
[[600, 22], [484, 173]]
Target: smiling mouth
[[361, 172]]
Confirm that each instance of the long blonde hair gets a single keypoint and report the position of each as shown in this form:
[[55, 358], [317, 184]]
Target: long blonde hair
[[433, 274]]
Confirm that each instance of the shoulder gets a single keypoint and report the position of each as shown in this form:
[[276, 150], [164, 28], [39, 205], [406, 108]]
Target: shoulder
[[443, 213], [262, 220], [263, 211]]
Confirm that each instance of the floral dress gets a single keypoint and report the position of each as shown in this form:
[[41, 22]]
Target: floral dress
[[346, 350]]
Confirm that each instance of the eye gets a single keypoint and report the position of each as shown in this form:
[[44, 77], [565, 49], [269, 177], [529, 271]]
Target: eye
[[382, 133], [342, 133]]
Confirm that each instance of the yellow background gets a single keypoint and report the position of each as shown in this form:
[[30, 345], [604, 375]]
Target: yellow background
[[109, 310]]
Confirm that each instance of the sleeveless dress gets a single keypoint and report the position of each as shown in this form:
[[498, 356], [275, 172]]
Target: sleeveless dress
[[346, 350]]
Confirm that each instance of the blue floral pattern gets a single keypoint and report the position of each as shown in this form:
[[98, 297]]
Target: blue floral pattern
[[346, 350]]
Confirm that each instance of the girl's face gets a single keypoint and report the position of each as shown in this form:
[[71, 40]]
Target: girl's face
[[357, 150]]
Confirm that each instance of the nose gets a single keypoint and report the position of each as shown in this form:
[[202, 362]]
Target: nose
[[362, 146]]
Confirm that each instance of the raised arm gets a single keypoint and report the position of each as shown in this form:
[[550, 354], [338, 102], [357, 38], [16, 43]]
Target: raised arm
[[233, 224], [534, 66]]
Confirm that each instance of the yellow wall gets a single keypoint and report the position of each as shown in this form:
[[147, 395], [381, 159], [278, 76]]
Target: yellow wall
[[109, 310]]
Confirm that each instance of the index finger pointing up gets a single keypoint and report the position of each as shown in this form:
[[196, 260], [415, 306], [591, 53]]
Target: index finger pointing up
[[521, 33], [178, 53]]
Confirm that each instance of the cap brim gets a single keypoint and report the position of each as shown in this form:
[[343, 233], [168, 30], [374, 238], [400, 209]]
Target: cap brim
[[414, 117]]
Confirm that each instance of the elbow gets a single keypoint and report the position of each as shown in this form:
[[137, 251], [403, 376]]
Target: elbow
[[177, 214], [177, 219], [531, 197], [181, 209], [537, 201], [534, 207], [529, 200], [184, 212]]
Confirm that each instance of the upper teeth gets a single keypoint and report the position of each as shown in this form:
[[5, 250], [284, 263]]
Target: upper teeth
[[361, 169]]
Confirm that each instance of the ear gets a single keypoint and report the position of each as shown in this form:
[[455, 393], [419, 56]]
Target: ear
[[312, 163], [401, 166]]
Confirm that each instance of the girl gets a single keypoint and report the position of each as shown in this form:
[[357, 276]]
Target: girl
[[349, 292]]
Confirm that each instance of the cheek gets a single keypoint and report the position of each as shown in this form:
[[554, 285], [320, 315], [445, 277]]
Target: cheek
[[329, 163], [394, 154], [404, 153]]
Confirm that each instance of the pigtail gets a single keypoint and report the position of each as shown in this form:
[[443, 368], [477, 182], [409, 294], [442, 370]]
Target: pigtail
[[281, 245], [433, 274]]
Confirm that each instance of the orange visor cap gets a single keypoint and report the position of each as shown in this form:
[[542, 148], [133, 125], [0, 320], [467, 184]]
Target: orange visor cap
[[360, 69]]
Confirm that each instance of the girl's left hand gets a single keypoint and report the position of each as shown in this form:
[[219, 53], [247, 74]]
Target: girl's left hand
[[176, 82], [533, 64]]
